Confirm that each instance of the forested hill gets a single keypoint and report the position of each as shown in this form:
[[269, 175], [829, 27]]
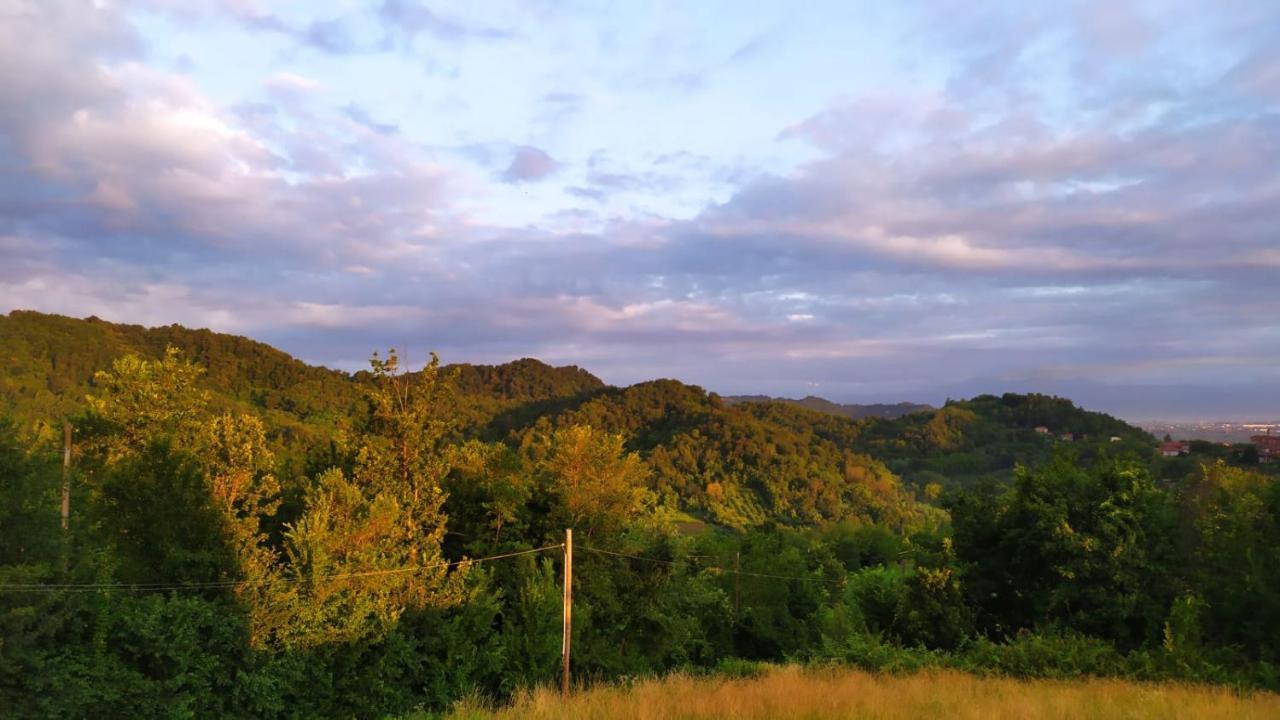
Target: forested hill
[[249, 536], [49, 362], [731, 463], [720, 463], [986, 436], [852, 411]]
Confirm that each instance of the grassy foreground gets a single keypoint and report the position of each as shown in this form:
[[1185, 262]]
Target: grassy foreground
[[793, 692]]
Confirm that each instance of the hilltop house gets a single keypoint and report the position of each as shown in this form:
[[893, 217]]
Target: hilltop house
[[1174, 448]]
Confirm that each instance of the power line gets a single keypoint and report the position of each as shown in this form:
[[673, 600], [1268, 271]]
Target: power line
[[709, 567], [159, 587], [223, 584]]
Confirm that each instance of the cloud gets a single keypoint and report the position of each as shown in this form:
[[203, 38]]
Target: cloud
[[118, 296], [287, 83], [665, 175], [564, 99], [1258, 74], [332, 36], [1115, 221], [1005, 195], [129, 159], [587, 193], [358, 115], [334, 316], [529, 164], [355, 31], [409, 18]]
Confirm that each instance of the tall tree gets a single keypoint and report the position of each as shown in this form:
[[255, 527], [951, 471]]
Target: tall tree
[[1232, 519], [1069, 547], [598, 485], [237, 464], [141, 401], [368, 547]]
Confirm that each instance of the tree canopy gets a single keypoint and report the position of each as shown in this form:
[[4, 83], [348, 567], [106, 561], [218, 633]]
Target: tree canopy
[[250, 536]]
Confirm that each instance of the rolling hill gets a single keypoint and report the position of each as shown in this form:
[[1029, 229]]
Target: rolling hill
[[733, 461]]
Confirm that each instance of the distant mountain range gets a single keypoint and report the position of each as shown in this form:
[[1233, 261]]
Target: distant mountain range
[[889, 411]]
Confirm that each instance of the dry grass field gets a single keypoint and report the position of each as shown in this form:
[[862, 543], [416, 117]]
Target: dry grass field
[[792, 692]]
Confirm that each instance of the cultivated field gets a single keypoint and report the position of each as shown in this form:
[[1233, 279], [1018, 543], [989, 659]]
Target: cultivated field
[[790, 692]]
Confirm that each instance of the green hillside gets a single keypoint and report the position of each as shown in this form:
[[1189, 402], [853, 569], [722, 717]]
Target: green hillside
[[734, 467], [987, 436], [250, 536], [736, 463], [50, 361], [719, 462]]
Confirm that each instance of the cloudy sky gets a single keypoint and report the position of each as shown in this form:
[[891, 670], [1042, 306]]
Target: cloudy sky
[[864, 201]]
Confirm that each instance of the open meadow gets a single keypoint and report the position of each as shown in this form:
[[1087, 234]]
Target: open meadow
[[820, 694]]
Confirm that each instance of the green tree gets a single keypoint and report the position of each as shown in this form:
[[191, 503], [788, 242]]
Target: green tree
[[1232, 520], [237, 464], [597, 485], [1069, 546], [933, 611], [489, 490], [142, 401], [404, 455], [368, 547], [945, 430], [29, 484]]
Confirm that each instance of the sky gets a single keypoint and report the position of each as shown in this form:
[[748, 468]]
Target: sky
[[862, 201]]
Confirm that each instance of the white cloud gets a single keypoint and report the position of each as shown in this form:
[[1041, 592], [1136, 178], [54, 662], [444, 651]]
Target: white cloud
[[291, 83]]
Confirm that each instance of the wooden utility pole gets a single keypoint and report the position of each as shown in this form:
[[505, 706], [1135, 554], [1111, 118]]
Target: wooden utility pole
[[66, 475], [568, 610]]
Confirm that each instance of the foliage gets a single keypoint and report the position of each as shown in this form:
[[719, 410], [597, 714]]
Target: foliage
[[596, 486], [985, 437], [1232, 532], [367, 548], [250, 536], [1067, 546], [141, 401]]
